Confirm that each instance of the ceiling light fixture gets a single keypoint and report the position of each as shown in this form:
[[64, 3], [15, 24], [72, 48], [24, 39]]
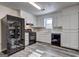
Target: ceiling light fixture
[[35, 5]]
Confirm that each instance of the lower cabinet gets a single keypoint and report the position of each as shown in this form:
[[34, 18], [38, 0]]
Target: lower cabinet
[[26, 39], [69, 39], [44, 37], [30, 38]]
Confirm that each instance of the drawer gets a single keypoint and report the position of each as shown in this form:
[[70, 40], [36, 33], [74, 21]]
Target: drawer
[[26, 34], [26, 39]]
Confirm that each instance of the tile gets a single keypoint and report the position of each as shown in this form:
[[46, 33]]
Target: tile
[[44, 50], [39, 51], [34, 54]]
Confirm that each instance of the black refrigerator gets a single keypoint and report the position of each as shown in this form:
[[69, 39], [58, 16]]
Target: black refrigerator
[[12, 36]]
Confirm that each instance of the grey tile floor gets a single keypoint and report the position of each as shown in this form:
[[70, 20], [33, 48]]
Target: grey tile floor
[[45, 50]]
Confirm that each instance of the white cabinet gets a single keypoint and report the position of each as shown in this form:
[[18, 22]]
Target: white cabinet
[[70, 18], [70, 22], [57, 19], [54, 21], [26, 39], [69, 36], [44, 37], [69, 39]]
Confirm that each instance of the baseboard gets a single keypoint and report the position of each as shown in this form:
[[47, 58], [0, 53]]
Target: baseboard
[[70, 48], [42, 42]]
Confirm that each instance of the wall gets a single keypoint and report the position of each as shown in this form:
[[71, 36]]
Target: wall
[[29, 18], [68, 19], [4, 11], [40, 19]]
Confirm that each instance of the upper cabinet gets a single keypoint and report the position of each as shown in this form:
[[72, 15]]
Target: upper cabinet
[[70, 18], [67, 18], [57, 19]]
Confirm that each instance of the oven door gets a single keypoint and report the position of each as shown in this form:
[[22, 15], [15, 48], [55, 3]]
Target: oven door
[[32, 37]]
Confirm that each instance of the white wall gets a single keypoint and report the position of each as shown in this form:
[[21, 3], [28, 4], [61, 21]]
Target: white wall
[[29, 18], [68, 19], [4, 11], [40, 19]]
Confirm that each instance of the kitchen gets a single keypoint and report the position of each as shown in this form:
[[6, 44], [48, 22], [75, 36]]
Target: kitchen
[[57, 27]]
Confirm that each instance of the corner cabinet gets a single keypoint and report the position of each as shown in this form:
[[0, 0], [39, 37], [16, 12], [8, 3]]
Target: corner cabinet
[[13, 39]]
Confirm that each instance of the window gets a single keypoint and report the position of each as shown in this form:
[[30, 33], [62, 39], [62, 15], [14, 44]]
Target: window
[[48, 23]]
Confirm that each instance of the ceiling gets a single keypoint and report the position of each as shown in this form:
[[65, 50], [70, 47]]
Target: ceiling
[[49, 7]]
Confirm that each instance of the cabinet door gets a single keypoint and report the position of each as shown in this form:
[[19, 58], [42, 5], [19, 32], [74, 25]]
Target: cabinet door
[[26, 38], [55, 21], [70, 22], [70, 18], [69, 38], [43, 37], [59, 19]]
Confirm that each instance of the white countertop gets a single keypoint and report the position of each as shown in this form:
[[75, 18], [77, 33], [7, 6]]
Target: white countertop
[[59, 32]]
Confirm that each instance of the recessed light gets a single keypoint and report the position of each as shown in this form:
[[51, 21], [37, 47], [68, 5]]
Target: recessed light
[[42, 9]]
